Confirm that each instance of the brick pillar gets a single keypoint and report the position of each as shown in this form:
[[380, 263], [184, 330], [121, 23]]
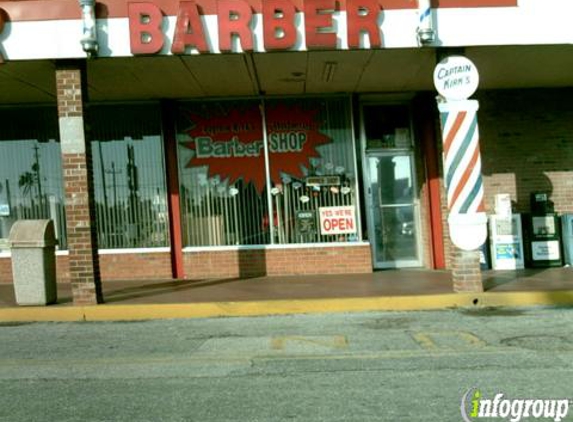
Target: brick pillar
[[466, 273], [78, 185]]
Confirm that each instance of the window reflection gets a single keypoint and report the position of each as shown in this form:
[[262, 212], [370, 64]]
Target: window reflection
[[395, 178], [393, 214], [396, 239], [129, 177], [30, 170]]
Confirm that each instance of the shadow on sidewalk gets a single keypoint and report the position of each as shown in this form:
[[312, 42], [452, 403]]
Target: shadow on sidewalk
[[144, 290]]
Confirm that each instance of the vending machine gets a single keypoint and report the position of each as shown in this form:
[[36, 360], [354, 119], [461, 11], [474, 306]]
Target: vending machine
[[544, 233], [506, 242]]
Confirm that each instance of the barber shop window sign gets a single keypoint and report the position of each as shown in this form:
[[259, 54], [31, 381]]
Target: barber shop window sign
[[337, 220], [230, 142], [306, 222]]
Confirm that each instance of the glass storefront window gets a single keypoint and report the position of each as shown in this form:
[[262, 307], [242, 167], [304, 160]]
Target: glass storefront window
[[224, 191], [387, 127], [30, 170], [129, 176], [222, 174], [312, 170]]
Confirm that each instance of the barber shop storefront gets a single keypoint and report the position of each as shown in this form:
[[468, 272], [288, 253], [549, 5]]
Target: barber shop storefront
[[235, 138], [278, 175]]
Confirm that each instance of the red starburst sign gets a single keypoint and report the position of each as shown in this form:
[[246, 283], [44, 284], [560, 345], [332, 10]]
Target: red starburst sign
[[230, 143]]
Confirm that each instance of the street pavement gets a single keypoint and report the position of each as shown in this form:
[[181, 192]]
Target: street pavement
[[374, 366]]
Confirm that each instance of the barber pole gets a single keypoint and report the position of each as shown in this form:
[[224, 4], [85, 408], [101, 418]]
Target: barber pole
[[425, 11], [426, 33], [456, 79], [462, 162]]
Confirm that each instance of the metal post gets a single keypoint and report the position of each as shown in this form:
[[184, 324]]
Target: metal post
[[267, 172], [356, 183]]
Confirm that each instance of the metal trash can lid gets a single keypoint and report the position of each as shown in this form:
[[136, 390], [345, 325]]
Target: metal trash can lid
[[32, 233]]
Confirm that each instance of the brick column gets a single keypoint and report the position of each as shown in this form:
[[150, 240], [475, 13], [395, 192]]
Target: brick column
[[466, 273], [78, 185]]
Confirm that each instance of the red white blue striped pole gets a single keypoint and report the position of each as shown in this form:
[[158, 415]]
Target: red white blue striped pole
[[462, 173], [426, 33], [462, 161]]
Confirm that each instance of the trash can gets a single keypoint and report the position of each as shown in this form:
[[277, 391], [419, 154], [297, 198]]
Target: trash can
[[33, 244]]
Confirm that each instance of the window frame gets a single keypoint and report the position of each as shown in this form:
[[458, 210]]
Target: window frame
[[268, 185]]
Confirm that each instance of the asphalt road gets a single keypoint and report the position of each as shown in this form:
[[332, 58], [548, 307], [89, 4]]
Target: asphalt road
[[406, 366]]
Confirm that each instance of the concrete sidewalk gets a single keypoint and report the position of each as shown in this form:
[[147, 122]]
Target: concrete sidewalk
[[382, 290]]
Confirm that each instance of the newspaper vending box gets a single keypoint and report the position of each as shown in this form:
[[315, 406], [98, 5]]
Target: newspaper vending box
[[506, 242], [544, 240]]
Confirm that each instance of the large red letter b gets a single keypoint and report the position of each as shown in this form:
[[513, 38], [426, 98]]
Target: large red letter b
[[145, 36]]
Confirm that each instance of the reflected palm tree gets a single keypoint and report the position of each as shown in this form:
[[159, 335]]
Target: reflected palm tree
[[26, 181]]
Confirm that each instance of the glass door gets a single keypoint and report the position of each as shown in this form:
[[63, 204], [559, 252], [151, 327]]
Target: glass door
[[390, 186], [393, 210]]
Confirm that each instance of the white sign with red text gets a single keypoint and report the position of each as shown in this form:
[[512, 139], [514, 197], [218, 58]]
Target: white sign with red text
[[337, 220]]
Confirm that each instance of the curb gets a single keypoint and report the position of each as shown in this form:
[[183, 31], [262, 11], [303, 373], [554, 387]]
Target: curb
[[284, 307]]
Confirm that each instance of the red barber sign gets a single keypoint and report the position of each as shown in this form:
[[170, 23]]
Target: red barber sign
[[235, 19]]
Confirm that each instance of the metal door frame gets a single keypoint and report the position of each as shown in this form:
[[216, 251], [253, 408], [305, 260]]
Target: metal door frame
[[365, 155]]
